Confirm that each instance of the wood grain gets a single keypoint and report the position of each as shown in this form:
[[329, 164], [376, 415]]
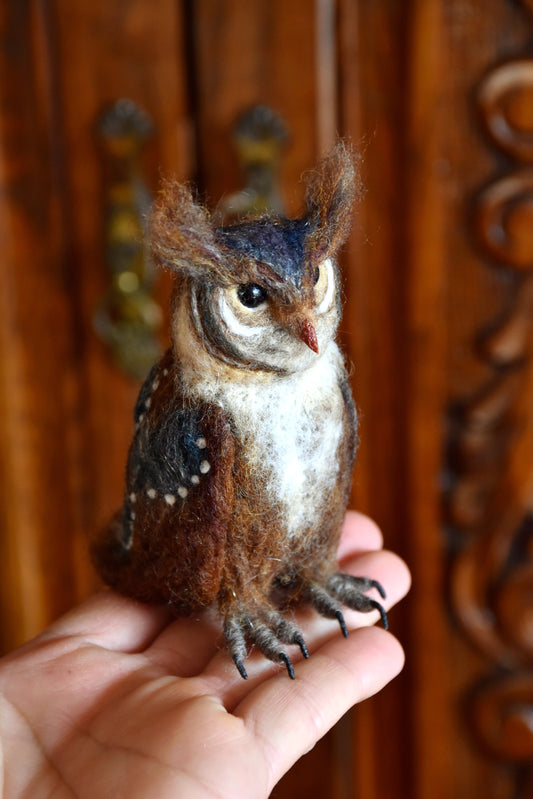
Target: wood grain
[[370, 50], [436, 98], [38, 397], [104, 52], [249, 54]]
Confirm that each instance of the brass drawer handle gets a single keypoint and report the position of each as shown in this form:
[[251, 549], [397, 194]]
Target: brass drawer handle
[[127, 317], [260, 136]]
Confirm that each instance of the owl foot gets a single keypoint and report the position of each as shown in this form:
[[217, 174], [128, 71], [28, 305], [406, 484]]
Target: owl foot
[[352, 592], [268, 630], [348, 590]]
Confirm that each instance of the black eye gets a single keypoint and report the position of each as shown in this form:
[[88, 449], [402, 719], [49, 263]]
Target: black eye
[[251, 295], [317, 275]]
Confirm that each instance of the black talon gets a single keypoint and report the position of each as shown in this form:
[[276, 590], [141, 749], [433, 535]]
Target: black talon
[[340, 619], [301, 643], [286, 659], [240, 666], [379, 588], [382, 613]]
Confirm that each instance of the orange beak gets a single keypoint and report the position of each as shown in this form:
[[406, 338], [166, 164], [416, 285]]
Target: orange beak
[[307, 333]]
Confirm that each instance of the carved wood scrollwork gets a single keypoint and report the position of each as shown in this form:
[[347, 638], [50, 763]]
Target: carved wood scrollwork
[[491, 452]]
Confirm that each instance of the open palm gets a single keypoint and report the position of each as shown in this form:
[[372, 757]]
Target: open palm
[[117, 699]]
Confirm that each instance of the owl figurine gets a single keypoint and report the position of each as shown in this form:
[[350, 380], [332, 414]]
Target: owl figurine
[[240, 468]]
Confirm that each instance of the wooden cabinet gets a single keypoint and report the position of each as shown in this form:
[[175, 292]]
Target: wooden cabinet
[[436, 95]]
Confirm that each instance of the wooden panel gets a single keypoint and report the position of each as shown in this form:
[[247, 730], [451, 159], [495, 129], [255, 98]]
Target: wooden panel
[[425, 402], [432, 324], [66, 421], [437, 322], [39, 373], [262, 53], [107, 51], [372, 105]]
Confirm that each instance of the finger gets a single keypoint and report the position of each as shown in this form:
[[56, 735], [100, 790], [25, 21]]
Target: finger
[[359, 534], [186, 646], [289, 716], [112, 621]]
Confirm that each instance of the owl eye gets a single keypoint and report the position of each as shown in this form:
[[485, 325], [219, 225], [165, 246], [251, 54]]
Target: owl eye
[[316, 276], [251, 295]]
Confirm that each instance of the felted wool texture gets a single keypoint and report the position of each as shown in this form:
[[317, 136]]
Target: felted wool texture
[[292, 428], [281, 253], [239, 471]]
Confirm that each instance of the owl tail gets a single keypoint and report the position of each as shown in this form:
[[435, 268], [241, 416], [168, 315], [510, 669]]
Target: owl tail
[[118, 569], [108, 554]]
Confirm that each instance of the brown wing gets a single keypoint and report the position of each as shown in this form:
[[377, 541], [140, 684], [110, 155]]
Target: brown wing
[[168, 543]]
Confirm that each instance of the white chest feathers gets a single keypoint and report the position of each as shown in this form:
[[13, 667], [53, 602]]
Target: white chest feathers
[[290, 428]]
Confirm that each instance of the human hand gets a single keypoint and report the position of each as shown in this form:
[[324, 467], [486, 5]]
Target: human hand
[[120, 699]]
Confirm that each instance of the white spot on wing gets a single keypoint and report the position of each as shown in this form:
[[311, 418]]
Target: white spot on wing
[[204, 467], [170, 499]]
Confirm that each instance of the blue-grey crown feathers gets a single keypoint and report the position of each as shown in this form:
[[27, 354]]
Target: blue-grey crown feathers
[[278, 243]]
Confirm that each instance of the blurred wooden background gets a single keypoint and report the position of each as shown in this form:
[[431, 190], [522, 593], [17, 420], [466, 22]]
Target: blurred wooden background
[[437, 95]]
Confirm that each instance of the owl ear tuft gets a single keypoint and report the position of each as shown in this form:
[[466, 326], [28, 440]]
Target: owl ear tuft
[[181, 235], [331, 193]]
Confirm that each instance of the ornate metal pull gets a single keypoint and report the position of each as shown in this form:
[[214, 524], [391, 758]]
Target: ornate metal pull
[[260, 136], [127, 317]]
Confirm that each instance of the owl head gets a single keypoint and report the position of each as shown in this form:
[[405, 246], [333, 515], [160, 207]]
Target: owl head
[[262, 294]]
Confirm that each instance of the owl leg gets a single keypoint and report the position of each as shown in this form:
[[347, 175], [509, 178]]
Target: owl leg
[[348, 590], [268, 630]]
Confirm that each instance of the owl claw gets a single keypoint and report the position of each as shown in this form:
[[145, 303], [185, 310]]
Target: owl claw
[[382, 612], [351, 591], [298, 639], [348, 590], [240, 667], [342, 623], [379, 588], [268, 630], [286, 659]]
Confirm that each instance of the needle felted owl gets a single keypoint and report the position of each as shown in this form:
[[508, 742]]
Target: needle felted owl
[[240, 468]]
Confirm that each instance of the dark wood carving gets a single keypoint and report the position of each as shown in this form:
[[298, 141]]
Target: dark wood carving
[[491, 452]]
